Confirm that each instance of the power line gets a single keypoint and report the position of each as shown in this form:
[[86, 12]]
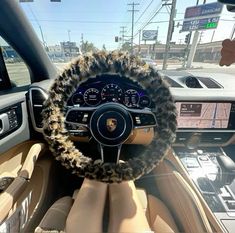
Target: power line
[[40, 28], [79, 21], [155, 12], [142, 13], [146, 23]]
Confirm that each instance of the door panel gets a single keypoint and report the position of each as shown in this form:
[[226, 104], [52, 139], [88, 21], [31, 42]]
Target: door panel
[[38, 193], [14, 127]]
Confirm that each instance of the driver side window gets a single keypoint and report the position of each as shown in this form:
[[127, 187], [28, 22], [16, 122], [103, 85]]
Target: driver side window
[[16, 68]]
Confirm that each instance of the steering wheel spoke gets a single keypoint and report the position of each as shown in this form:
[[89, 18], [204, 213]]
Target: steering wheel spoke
[[110, 154]]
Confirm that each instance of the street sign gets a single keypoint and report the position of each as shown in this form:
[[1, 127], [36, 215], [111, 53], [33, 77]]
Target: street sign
[[200, 24], [149, 34], [203, 11]]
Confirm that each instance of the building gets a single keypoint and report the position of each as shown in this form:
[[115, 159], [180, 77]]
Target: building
[[158, 51], [55, 52], [207, 52], [69, 49]]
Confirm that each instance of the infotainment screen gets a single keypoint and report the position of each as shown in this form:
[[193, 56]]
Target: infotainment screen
[[205, 115]]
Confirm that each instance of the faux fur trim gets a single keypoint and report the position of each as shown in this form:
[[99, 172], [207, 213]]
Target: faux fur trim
[[65, 85]]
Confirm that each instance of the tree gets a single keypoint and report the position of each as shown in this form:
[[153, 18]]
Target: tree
[[126, 47], [88, 47]]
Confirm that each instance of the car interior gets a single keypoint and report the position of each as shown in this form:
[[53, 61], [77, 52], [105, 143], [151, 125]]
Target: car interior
[[102, 109]]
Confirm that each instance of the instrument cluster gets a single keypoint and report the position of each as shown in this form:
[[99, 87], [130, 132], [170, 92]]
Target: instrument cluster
[[102, 90]]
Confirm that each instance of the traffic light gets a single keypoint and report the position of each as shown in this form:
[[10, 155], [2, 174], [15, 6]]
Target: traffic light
[[187, 38], [116, 38]]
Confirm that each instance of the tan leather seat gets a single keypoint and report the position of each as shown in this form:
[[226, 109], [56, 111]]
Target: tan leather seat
[[181, 199], [159, 217]]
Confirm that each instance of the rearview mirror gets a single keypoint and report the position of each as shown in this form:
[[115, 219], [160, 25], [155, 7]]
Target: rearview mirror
[[230, 4], [227, 2], [231, 8]]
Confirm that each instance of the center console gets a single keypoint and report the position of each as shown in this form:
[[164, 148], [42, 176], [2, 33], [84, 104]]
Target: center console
[[213, 172]]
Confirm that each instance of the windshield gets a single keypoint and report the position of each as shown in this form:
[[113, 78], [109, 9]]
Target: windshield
[[69, 28]]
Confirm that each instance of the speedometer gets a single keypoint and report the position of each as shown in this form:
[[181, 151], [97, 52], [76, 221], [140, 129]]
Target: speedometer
[[92, 96], [111, 93], [131, 98]]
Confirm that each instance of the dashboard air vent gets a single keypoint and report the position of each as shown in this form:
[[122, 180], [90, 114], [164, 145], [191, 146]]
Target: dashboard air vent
[[192, 82], [205, 137], [215, 137], [172, 82], [36, 97], [209, 82]]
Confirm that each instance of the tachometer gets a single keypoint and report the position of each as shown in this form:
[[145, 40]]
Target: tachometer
[[92, 97], [131, 98], [112, 93]]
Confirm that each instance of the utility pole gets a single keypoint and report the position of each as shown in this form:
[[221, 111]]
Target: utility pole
[[232, 32], [154, 45], [133, 19], [200, 38], [43, 40], [70, 51], [69, 35], [212, 37], [123, 31], [194, 45], [82, 42], [170, 31], [139, 50]]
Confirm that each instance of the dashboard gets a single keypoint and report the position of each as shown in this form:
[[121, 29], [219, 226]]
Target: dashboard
[[108, 88], [206, 115]]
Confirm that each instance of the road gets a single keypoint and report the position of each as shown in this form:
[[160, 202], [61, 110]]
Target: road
[[20, 74], [204, 67]]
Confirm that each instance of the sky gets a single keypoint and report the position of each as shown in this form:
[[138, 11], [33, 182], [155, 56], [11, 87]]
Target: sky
[[100, 20]]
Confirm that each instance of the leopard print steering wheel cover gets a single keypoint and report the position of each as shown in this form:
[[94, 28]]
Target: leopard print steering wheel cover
[[88, 66]]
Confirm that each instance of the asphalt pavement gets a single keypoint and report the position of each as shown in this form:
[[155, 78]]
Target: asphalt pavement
[[19, 73]]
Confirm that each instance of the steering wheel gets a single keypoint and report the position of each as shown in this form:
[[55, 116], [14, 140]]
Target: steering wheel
[[111, 123]]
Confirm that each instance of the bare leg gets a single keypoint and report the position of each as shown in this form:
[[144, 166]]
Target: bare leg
[[126, 212], [86, 213]]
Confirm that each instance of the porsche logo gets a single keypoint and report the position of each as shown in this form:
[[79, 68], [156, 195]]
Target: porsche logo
[[111, 124]]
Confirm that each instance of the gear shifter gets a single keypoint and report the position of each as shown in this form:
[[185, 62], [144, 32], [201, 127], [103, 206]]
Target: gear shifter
[[228, 169]]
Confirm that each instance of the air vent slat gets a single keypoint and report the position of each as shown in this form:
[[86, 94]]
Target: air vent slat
[[205, 138], [209, 82], [37, 98]]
